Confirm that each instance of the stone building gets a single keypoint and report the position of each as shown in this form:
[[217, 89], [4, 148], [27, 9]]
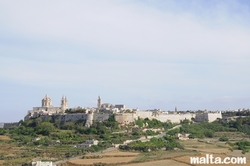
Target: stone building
[[122, 115], [47, 108], [88, 143], [42, 163], [109, 106], [182, 136]]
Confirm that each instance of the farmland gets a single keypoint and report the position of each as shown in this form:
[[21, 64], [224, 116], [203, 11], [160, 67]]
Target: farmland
[[193, 148]]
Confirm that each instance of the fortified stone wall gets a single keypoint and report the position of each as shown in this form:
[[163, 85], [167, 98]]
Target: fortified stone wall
[[209, 117], [9, 125], [144, 114], [201, 117], [213, 116], [75, 117], [89, 120], [89, 117], [125, 118], [101, 116], [174, 118]]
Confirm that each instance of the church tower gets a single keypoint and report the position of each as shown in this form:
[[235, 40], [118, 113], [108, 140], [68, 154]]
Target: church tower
[[99, 102], [64, 103], [46, 101]]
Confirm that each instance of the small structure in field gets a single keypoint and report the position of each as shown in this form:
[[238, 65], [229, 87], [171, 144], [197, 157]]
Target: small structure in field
[[88, 143], [182, 136], [42, 163]]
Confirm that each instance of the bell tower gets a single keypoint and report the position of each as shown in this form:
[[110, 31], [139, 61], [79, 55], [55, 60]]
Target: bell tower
[[64, 103], [99, 102]]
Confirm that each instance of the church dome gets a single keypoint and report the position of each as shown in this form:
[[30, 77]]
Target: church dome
[[46, 97]]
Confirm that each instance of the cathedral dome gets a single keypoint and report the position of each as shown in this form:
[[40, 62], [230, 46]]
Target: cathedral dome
[[46, 97], [46, 101]]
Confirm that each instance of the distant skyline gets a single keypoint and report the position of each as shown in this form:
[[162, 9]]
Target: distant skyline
[[144, 54]]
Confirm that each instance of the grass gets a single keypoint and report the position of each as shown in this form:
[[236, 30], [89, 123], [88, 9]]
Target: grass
[[107, 160], [5, 138], [158, 163], [160, 155], [1, 162], [231, 135], [17, 161]]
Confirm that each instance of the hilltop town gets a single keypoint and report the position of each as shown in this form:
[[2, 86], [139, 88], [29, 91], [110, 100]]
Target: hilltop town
[[69, 136], [122, 114]]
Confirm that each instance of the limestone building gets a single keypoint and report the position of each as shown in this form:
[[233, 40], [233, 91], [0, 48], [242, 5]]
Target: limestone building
[[88, 143], [109, 106], [47, 108], [42, 163], [122, 115]]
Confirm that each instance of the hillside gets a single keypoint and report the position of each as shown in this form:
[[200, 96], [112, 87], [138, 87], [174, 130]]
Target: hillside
[[38, 139]]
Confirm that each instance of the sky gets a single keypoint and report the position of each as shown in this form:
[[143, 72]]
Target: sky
[[146, 54]]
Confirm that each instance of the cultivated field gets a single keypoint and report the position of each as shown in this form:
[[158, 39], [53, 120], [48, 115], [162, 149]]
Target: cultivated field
[[1, 162], [162, 155], [4, 138], [159, 163], [9, 150], [111, 157], [106, 160], [116, 152], [205, 146], [134, 159], [231, 135], [238, 153], [209, 146]]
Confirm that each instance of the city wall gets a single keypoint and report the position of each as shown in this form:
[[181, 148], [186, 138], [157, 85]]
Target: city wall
[[101, 116], [9, 125], [174, 118], [125, 118]]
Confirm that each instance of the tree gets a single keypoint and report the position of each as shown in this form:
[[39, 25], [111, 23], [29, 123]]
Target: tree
[[223, 139], [45, 128], [69, 126], [2, 131], [38, 120]]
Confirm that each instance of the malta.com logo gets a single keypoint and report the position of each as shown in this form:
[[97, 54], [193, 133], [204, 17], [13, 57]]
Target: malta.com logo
[[210, 159]]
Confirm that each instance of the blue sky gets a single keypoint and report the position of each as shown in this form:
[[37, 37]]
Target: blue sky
[[144, 54]]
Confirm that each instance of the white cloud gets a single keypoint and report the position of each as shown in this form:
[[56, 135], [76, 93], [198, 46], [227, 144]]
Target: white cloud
[[128, 28], [128, 48]]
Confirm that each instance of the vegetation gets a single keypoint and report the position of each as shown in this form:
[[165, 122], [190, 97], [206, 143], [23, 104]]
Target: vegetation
[[169, 143], [72, 111], [205, 129], [244, 146], [49, 138], [240, 145], [244, 112], [154, 123], [223, 139], [163, 154]]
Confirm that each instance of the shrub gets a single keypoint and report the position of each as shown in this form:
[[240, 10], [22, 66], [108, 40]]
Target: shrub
[[223, 139]]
